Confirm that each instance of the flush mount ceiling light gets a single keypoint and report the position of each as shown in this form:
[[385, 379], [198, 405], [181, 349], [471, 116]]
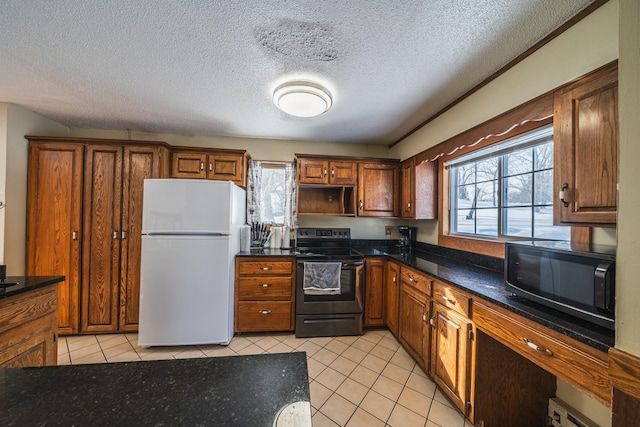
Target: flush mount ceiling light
[[302, 99]]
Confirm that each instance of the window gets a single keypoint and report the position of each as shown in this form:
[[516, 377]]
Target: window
[[271, 193], [505, 191]]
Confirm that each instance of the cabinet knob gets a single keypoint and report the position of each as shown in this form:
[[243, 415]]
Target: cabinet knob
[[115, 234], [210, 166], [123, 235], [74, 235], [561, 195], [333, 173], [201, 166], [360, 204], [408, 205], [325, 172]]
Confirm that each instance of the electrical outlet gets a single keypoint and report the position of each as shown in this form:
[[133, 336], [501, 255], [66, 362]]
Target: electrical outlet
[[387, 231]]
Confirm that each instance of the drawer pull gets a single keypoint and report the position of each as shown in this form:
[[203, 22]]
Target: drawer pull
[[265, 268], [537, 348], [264, 311], [412, 280], [266, 285], [449, 300]]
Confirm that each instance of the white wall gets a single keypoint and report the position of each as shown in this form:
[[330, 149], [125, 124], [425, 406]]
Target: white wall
[[15, 122], [260, 149]]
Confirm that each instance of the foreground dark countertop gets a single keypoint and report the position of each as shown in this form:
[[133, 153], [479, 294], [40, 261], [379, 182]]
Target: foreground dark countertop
[[14, 285], [224, 391]]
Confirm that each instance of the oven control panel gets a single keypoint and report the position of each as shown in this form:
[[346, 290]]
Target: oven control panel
[[323, 233]]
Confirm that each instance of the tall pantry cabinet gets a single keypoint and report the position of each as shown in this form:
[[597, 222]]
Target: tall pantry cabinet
[[84, 221]]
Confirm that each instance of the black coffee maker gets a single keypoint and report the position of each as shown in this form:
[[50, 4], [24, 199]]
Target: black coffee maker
[[407, 236]]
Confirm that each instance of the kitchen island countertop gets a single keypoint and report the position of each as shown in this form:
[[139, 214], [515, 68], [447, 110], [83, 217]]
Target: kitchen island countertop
[[224, 391], [15, 285]]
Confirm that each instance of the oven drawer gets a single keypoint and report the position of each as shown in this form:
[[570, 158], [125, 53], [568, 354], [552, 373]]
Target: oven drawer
[[416, 280], [265, 267], [451, 298], [257, 287], [256, 316]]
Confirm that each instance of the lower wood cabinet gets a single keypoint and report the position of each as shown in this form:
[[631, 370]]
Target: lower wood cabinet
[[392, 296], [575, 363], [28, 329], [374, 292], [264, 294], [452, 355], [415, 311]]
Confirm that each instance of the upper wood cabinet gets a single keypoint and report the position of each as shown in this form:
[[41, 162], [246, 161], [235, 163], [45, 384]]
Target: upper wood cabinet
[[586, 150], [218, 164], [85, 222], [418, 183], [314, 170], [378, 189]]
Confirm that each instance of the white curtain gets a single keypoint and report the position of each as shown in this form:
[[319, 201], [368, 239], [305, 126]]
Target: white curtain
[[256, 199]]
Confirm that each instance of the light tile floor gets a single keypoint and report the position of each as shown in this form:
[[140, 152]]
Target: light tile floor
[[365, 381]]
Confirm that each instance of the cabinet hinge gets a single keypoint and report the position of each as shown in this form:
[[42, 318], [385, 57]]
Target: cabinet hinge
[[468, 407]]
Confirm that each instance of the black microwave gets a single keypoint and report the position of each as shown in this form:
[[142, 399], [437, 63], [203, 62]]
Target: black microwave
[[575, 280]]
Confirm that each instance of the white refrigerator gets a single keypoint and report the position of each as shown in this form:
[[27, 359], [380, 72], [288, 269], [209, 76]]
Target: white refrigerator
[[190, 236]]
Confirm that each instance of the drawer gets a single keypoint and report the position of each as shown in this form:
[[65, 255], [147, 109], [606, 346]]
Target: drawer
[[265, 287], [451, 298], [265, 267], [256, 316], [563, 358], [417, 280]]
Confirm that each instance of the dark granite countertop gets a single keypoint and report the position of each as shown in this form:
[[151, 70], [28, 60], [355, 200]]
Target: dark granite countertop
[[14, 285], [489, 285], [224, 391], [267, 252], [479, 275]]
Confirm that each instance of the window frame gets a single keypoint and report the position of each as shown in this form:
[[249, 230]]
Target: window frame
[[528, 116], [500, 154]]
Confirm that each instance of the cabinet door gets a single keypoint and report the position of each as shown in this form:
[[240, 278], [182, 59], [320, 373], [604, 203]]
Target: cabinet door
[[414, 323], [139, 163], [391, 295], [586, 150], [101, 242], [185, 164], [377, 189], [343, 173], [226, 167], [374, 292], [451, 354], [54, 223], [313, 171], [407, 196]]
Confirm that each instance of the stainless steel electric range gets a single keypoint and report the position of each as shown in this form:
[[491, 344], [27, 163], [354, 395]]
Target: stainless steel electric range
[[329, 285]]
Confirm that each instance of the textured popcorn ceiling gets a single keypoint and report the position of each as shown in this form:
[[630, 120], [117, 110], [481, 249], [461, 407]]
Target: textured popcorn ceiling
[[203, 67]]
